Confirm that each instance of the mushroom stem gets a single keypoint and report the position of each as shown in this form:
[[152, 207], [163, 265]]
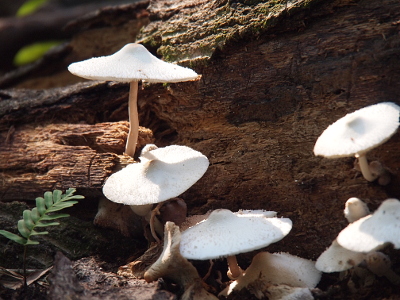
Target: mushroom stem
[[155, 224], [380, 264], [234, 271], [131, 141], [364, 167], [150, 217], [141, 210]]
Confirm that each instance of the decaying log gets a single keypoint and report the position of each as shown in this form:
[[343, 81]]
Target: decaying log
[[273, 78], [60, 156]]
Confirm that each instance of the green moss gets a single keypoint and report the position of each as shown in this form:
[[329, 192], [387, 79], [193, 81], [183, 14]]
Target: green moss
[[189, 35]]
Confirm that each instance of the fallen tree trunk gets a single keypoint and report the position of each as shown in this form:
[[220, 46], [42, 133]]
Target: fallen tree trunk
[[273, 78]]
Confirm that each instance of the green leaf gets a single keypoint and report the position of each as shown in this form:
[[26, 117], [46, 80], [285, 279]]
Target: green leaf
[[69, 192], [38, 216], [35, 215], [30, 53], [47, 224], [40, 206], [28, 219], [48, 199], [76, 197], [23, 229], [14, 237], [61, 205], [39, 232], [54, 216], [31, 242], [69, 196], [30, 7], [57, 196]]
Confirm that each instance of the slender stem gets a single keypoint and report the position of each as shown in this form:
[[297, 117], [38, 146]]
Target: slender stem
[[141, 210], [156, 227], [24, 266], [155, 224], [131, 141], [364, 167], [234, 268]]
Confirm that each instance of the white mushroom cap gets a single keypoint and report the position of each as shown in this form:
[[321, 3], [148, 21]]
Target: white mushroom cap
[[360, 131], [224, 233], [355, 209], [276, 269], [255, 212], [338, 259], [284, 268], [374, 231], [170, 171], [132, 63]]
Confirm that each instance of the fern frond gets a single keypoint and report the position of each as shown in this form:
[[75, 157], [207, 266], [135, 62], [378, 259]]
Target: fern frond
[[38, 216], [14, 237]]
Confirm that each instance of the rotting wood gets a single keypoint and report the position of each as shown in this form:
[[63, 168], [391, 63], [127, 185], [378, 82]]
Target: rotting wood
[[59, 156]]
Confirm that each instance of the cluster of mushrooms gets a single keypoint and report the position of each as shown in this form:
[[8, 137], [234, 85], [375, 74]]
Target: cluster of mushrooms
[[164, 173]]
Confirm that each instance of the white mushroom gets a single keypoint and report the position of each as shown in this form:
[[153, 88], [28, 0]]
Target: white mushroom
[[355, 209], [277, 269], [163, 173], [380, 264], [374, 231], [358, 132], [131, 64], [171, 264], [225, 234], [338, 259], [255, 212]]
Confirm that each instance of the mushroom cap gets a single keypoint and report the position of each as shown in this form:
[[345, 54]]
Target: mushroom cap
[[225, 233], [256, 212], [284, 268], [170, 171], [355, 209], [338, 259], [374, 231], [268, 269], [359, 131], [132, 63]]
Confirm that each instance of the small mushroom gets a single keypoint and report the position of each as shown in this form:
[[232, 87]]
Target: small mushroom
[[225, 234], [171, 264], [116, 216], [380, 264], [276, 269], [358, 132], [162, 174], [338, 259], [374, 231], [131, 64], [355, 209]]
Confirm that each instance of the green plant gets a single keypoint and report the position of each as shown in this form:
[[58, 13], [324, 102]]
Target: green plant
[[41, 216], [30, 7], [32, 52]]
